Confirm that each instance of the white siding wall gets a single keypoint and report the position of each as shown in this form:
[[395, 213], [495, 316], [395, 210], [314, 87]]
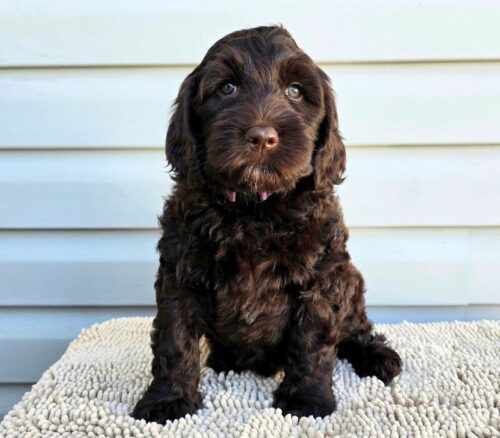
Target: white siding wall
[[85, 89]]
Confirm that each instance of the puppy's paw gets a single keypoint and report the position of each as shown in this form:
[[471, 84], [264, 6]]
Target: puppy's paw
[[390, 366], [302, 403], [159, 410], [380, 361]]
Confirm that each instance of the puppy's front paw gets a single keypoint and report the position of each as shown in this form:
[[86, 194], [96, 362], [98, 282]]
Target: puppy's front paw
[[153, 408], [302, 403]]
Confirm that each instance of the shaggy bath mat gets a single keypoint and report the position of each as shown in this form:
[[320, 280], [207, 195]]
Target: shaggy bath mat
[[449, 387]]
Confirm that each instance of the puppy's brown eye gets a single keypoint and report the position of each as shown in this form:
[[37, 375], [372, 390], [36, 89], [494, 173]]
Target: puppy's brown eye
[[228, 88], [294, 91]]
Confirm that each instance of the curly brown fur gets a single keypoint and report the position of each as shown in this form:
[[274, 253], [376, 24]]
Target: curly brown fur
[[269, 282]]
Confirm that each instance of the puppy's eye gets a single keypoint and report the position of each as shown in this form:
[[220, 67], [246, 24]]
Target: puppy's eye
[[294, 91], [228, 88]]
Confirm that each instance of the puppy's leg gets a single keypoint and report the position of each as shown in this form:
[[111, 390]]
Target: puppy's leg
[[307, 386], [367, 351], [370, 355], [176, 371]]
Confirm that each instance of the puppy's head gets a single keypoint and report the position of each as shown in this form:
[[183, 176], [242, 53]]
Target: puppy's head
[[256, 116]]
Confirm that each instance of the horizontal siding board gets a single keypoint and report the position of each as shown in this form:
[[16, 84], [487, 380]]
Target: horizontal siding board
[[123, 108], [414, 266], [10, 394], [66, 283], [415, 186], [444, 186], [45, 333], [42, 336], [433, 266], [87, 189], [25, 360], [47, 32], [397, 314]]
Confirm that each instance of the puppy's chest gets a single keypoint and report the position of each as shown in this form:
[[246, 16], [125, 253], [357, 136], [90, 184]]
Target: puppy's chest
[[251, 301], [256, 281]]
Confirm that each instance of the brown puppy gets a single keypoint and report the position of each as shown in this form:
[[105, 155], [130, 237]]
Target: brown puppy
[[253, 252]]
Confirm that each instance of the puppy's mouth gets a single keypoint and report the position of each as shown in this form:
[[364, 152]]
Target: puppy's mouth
[[259, 197]]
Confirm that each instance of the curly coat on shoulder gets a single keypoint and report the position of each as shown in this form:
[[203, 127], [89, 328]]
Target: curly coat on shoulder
[[253, 253]]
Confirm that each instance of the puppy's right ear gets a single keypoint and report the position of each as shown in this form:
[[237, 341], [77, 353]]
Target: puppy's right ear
[[181, 137]]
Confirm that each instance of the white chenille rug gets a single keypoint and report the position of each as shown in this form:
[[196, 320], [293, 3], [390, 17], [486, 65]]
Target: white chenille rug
[[449, 387]]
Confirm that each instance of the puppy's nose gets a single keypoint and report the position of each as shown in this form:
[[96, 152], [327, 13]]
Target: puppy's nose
[[262, 137]]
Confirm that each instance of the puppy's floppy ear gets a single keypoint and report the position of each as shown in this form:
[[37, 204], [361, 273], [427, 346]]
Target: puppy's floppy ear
[[181, 136], [330, 155]]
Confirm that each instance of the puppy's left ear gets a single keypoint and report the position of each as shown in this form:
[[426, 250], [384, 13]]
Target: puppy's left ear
[[330, 154], [181, 140]]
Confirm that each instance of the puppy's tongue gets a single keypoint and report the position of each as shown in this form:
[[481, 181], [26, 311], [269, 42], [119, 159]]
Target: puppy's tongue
[[231, 196], [263, 196]]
